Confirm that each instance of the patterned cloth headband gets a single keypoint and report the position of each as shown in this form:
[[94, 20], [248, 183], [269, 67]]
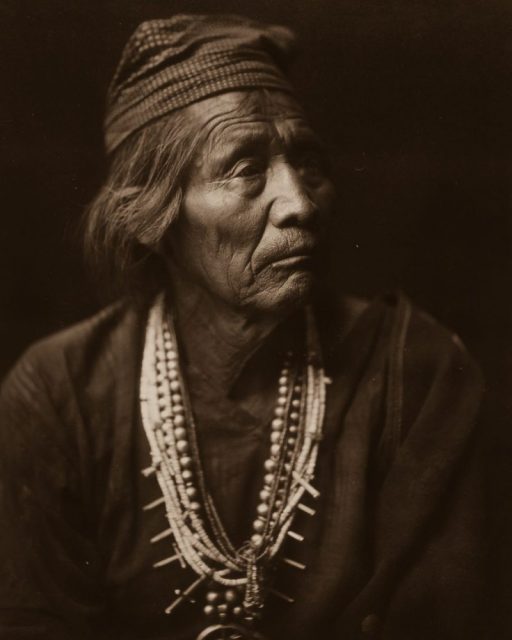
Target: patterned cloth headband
[[169, 64]]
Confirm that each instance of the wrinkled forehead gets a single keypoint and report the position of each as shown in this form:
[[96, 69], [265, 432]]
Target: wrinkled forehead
[[264, 115]]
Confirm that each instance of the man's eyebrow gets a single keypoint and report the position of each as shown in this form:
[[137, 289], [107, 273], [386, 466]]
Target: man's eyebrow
[[225, 147], [224, 151]]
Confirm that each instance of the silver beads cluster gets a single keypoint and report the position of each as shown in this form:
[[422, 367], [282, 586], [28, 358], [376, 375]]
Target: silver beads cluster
[[173, 413], [224, 605], [283, 439]]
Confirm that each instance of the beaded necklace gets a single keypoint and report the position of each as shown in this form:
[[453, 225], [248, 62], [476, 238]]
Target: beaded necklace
[[199, 540]]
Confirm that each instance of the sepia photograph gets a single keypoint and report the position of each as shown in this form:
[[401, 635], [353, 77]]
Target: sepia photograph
[[256, 320]]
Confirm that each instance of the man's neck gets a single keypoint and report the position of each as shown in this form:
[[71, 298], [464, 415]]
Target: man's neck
[[214, 336]]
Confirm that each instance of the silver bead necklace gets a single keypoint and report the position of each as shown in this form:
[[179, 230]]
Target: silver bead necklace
[[199, 540]]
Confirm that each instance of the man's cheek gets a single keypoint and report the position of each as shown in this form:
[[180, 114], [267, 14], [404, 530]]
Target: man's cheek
[[222, 263], [236, 242], [239, 271]]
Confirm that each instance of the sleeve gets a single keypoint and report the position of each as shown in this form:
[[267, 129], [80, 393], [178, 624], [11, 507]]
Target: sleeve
[[49, 569], [430, 523]]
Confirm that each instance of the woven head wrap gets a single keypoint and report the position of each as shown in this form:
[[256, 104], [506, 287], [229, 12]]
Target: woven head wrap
[[169, 64]]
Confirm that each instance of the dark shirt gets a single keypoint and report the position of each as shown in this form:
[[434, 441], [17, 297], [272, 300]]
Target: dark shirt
[[393, 550]]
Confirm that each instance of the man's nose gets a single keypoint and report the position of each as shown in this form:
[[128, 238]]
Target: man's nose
[[291, 202]]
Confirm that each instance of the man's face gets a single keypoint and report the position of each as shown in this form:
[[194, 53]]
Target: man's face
[[254, 203]]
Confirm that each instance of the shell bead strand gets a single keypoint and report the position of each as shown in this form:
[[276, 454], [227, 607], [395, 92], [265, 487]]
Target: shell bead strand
[[199, 539]]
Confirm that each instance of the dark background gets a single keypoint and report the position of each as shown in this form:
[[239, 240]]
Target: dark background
[[415, 98]]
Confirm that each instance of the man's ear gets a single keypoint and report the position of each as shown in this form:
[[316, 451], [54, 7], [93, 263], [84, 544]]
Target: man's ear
[[154, 235]]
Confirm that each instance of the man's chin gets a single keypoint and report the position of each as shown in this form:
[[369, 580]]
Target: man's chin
[[288, 294]]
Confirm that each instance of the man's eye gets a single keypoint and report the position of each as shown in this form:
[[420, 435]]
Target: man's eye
[[248, 169]]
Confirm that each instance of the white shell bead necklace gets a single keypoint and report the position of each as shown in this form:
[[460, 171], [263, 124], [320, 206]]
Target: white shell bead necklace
[[198, 537]]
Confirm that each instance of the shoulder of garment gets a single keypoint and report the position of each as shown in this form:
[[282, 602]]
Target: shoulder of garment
[[75, 356]]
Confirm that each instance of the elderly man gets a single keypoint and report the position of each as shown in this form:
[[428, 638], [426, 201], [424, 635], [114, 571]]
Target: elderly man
[[235, 450]]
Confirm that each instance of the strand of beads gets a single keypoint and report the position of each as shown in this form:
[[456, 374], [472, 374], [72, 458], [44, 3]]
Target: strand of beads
[[170, 429], [283, 432], [176, 473], [265, 514], [272, 464], [167, 432], [303, 470], [181, 448]]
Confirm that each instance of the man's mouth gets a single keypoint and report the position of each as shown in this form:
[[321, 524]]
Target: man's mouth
[[299, 257], [295, 260]]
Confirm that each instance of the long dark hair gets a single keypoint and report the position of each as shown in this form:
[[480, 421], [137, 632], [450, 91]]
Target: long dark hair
[[125, 223]]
